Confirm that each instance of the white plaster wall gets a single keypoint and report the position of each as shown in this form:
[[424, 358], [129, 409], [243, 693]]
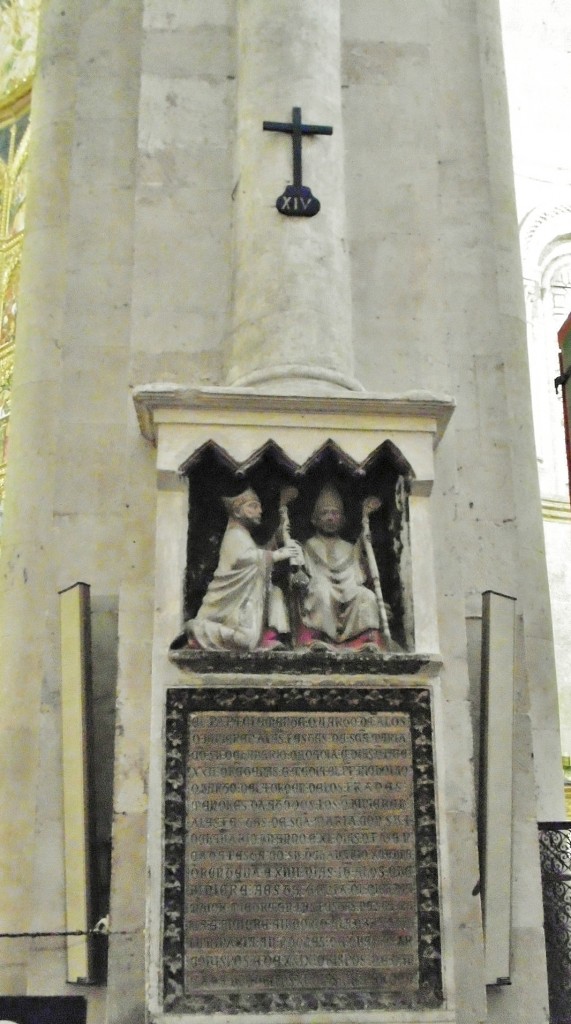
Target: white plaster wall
[[537, 38], [537, 46], [544, 368], [558, 549]]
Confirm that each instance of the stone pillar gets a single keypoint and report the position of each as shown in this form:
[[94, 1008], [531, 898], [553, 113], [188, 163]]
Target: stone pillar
[[27, 585], [292, 294]]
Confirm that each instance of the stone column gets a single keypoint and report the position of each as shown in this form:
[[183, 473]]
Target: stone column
[[28, 592], [292, 296]]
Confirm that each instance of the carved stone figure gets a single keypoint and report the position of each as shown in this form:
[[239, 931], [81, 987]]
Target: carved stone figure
[[337, 607], [241, 609]]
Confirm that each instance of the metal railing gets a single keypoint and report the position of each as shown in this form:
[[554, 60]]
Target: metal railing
[[555, 857]]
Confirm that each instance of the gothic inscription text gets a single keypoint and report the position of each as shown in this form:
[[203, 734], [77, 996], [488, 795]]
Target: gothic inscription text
[[300, 852]]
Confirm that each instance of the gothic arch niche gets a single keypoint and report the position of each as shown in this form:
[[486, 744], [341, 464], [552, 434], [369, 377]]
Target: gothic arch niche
[[384, 475]]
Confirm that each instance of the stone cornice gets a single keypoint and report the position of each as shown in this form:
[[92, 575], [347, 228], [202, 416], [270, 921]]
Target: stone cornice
[[152, 400]]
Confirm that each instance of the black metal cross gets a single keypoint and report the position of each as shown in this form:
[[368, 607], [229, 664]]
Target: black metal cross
[[297, 200], [296, 129]]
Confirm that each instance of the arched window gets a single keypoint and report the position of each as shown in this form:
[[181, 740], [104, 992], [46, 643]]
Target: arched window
[[546, 256], [560, 291]]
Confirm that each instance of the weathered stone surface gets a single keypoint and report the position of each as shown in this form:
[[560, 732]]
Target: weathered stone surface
[[299, 662]]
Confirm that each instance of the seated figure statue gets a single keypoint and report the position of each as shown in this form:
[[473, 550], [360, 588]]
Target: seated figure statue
[[336, 608], [242, 610]]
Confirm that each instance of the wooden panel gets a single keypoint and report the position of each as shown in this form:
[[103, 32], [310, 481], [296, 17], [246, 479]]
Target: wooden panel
[[498, 646], [74, 617]]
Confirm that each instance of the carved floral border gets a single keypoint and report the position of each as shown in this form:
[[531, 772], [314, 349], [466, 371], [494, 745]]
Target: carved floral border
[[414, 701]]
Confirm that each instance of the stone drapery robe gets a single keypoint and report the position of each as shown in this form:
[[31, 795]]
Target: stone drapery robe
[[337, 603], [240, 601]]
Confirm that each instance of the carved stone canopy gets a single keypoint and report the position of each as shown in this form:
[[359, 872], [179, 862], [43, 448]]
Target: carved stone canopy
[[215, 442], [170, 404], [352, 583]]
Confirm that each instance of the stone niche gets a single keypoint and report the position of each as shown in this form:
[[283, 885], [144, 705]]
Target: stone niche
[[385, 476], [292, 806], [212, 442]]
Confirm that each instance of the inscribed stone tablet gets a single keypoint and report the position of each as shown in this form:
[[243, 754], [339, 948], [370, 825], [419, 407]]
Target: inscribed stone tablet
[[300, 853]]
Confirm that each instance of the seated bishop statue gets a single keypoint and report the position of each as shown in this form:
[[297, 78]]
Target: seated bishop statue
[[333, 601], [337, 607]]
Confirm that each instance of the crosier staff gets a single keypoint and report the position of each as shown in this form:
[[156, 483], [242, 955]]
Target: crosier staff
[[299, 579], [371, 505]]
